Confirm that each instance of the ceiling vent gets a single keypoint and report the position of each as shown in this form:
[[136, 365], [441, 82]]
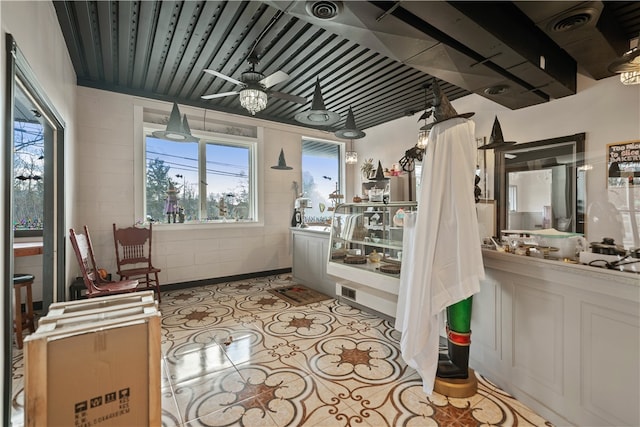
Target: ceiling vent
[[323, 9], [497, 90], [587, 31], [572, 20]]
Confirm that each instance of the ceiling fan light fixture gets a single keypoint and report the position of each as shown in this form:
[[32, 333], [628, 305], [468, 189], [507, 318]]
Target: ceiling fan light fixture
[[630, 78], [628, 66], [318, 115], [253, 100], [350, 130], [177, 129]]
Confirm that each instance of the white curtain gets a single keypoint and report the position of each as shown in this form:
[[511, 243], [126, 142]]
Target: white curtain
[[442, 258]]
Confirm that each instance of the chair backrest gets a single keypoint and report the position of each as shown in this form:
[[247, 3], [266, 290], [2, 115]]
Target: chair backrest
[[86, 259], [133, 245]]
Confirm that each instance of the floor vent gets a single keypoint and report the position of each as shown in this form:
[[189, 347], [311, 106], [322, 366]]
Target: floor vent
[[349, 293]]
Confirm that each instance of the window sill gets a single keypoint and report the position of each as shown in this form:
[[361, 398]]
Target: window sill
[[206, 225]]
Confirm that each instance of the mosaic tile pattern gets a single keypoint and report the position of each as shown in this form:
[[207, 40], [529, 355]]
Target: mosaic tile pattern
[[236, 355]]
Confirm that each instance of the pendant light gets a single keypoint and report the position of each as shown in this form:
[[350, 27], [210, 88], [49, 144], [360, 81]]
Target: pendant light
[[351, 157], [628, 66], [177, 129], [318, 115], [423, 133]]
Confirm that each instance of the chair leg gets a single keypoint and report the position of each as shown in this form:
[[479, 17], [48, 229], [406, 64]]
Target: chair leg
[[18, 315], [29, 313], [157, 288]]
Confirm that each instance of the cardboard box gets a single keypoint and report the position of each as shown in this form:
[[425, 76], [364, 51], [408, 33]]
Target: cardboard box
[[83, 372], [101, 303]]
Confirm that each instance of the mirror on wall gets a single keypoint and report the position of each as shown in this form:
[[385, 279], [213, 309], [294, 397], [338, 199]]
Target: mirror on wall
[[540, 184]]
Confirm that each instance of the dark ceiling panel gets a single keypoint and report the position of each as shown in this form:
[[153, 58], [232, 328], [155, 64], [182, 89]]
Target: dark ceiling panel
[[375, 56], [107, 29], [145, 22]]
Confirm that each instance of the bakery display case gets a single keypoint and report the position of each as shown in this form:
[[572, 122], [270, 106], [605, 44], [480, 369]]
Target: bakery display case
[[365, 253]]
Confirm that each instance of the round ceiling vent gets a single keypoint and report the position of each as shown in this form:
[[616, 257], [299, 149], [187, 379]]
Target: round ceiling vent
[[324, 9], [497, 90], [572, 20]]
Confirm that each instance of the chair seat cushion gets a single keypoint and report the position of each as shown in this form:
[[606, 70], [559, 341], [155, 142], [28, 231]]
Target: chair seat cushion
[[22, 278]]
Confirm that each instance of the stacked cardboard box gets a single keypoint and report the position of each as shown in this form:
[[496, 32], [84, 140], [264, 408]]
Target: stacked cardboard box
[[95, 362]]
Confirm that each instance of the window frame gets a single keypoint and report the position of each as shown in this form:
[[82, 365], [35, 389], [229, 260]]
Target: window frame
[[255, 144], [342, 176], [49, 140]]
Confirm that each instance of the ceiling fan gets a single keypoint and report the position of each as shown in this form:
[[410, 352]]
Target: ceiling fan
[[254, 88]]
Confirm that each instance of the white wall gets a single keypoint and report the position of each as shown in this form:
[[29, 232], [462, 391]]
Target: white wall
[[105, 194], [605, 110], [35, 27]]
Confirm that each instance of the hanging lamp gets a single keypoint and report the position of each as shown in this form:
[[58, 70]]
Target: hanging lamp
[[318, 115], [350, 156], [423, 133], [177, 129], [628, 66], [350, 131]]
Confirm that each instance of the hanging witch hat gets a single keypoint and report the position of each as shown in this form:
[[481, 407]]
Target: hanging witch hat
[[496, 140], [442, 108], [318, 115], [350, 130], [282, 164], [177, 129]]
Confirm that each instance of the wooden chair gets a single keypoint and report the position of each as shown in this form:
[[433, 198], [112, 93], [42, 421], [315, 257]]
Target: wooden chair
[[133, 256], [96, 286]]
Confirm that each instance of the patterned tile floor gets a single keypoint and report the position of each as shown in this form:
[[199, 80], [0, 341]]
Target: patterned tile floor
[[236, 355]]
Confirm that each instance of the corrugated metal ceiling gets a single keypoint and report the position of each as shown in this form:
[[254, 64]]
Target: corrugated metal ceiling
[[159, 49]]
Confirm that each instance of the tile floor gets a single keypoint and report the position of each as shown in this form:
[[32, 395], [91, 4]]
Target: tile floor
[[236, 355]]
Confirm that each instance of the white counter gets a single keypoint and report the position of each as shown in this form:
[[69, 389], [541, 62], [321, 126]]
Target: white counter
[[310, 251], [563, 338]]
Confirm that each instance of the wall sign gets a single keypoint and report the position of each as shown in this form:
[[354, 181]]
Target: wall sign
[[623, 162]]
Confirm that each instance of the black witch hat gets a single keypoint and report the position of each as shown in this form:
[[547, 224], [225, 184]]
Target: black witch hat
[[380, 173], [282, 163], [496, 140], [442, 108], [350, 130]]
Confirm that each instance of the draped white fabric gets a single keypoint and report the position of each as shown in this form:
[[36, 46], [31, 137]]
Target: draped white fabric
[[442, 259]]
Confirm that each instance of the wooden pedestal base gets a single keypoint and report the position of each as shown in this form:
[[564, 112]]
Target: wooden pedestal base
[[457, 387]]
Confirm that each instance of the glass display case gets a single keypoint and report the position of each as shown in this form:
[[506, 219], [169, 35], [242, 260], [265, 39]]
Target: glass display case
[[365, 252]]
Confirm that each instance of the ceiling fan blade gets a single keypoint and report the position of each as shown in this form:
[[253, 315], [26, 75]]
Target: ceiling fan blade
[[218, 95], [288, 97], [274, 79], [223, 76]]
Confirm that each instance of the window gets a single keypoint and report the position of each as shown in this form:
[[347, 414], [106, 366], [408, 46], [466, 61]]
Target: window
[[321, 177], [30, 133], [513, 198], [213, 180]]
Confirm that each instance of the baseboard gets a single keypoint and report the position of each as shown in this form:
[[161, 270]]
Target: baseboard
[[37, 305], [216, 280]]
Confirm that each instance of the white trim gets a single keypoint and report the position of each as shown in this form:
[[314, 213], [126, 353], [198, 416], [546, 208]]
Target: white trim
[[256, 172]]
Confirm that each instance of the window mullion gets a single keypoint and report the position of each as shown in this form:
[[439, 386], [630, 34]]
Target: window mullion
[[202, 178]]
